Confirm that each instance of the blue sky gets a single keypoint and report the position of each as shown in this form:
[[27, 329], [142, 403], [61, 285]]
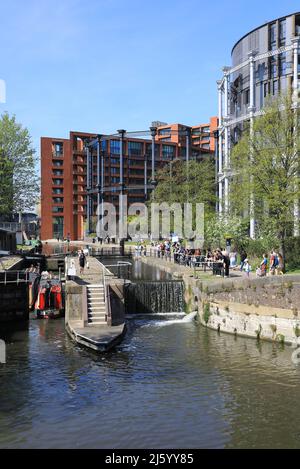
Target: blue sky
[[101, 65]]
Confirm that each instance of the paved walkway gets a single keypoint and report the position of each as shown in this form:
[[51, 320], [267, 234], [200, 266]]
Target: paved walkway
[[92, 273]]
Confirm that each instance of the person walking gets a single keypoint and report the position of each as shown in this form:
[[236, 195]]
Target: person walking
[[273, 262], [82, 261], [280, 266]]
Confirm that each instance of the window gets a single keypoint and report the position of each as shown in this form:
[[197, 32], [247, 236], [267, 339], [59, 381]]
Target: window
[[282, 63], [164, 131], [272, 35], [58, 191], [58, 227], [114, 160], [196, 132], [168, 151], [246, 97], [266, 90], [149, 149], [275, 87], [135, 148], [115, 180], [282, 32], [57, 163], [58, 182], [57, 149], [297, 25], [115, 147], [58, 200], [273, 67], [58, 172], [57, 209]]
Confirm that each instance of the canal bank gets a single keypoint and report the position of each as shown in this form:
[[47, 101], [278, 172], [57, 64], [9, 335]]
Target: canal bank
[[263, 308]]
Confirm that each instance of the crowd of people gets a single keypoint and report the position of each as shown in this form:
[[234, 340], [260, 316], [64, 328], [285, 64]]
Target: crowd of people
[[219, 260]]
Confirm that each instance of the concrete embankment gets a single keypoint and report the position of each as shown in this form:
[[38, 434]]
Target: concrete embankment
[[265, 308]]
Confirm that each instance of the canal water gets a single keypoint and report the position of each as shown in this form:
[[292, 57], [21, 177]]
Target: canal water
[[168, 385]]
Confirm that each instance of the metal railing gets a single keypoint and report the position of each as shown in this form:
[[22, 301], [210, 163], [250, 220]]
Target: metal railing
[[14, 276]]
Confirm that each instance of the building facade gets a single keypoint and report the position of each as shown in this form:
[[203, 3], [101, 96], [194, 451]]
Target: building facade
[[265, 62], [201, 136], [79, 171]]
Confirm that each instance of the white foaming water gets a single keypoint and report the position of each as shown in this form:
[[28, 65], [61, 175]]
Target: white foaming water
[[188, 318]]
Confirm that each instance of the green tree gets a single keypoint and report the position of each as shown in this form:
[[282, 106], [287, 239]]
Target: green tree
[[18, 168], [6, 185], [265, 165], [180, 182], [218, 228]]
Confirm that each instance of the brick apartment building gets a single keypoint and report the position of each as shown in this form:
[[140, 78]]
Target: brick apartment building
[[64, 172]]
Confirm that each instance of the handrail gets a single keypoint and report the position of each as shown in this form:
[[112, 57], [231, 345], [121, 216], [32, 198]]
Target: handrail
[[19, 277], [105, 292]]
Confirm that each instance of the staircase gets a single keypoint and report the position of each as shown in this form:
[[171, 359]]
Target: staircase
[[96, 305]]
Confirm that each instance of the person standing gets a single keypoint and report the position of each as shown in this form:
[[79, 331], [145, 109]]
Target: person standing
[[273, 262], [247, 267], [243, 259], [226, 263], [232, 257]]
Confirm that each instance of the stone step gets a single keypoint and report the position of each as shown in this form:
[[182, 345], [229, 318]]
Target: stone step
[[95, 317], [97, 323], [95, 287], [96, 305]]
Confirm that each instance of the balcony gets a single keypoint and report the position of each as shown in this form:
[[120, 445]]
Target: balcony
[[57, 154]]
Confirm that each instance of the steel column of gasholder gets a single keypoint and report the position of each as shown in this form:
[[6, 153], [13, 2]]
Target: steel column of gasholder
[[153, 131], [145, 176], [121, 133], [88, 215]]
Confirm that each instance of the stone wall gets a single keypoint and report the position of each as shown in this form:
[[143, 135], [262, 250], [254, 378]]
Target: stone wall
[[261, 308], [74, 309]]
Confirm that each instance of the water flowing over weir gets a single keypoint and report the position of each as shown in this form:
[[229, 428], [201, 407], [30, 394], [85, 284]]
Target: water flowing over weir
[[154, 297]]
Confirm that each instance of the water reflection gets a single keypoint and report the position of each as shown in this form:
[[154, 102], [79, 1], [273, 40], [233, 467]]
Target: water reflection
[[169, 385]]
